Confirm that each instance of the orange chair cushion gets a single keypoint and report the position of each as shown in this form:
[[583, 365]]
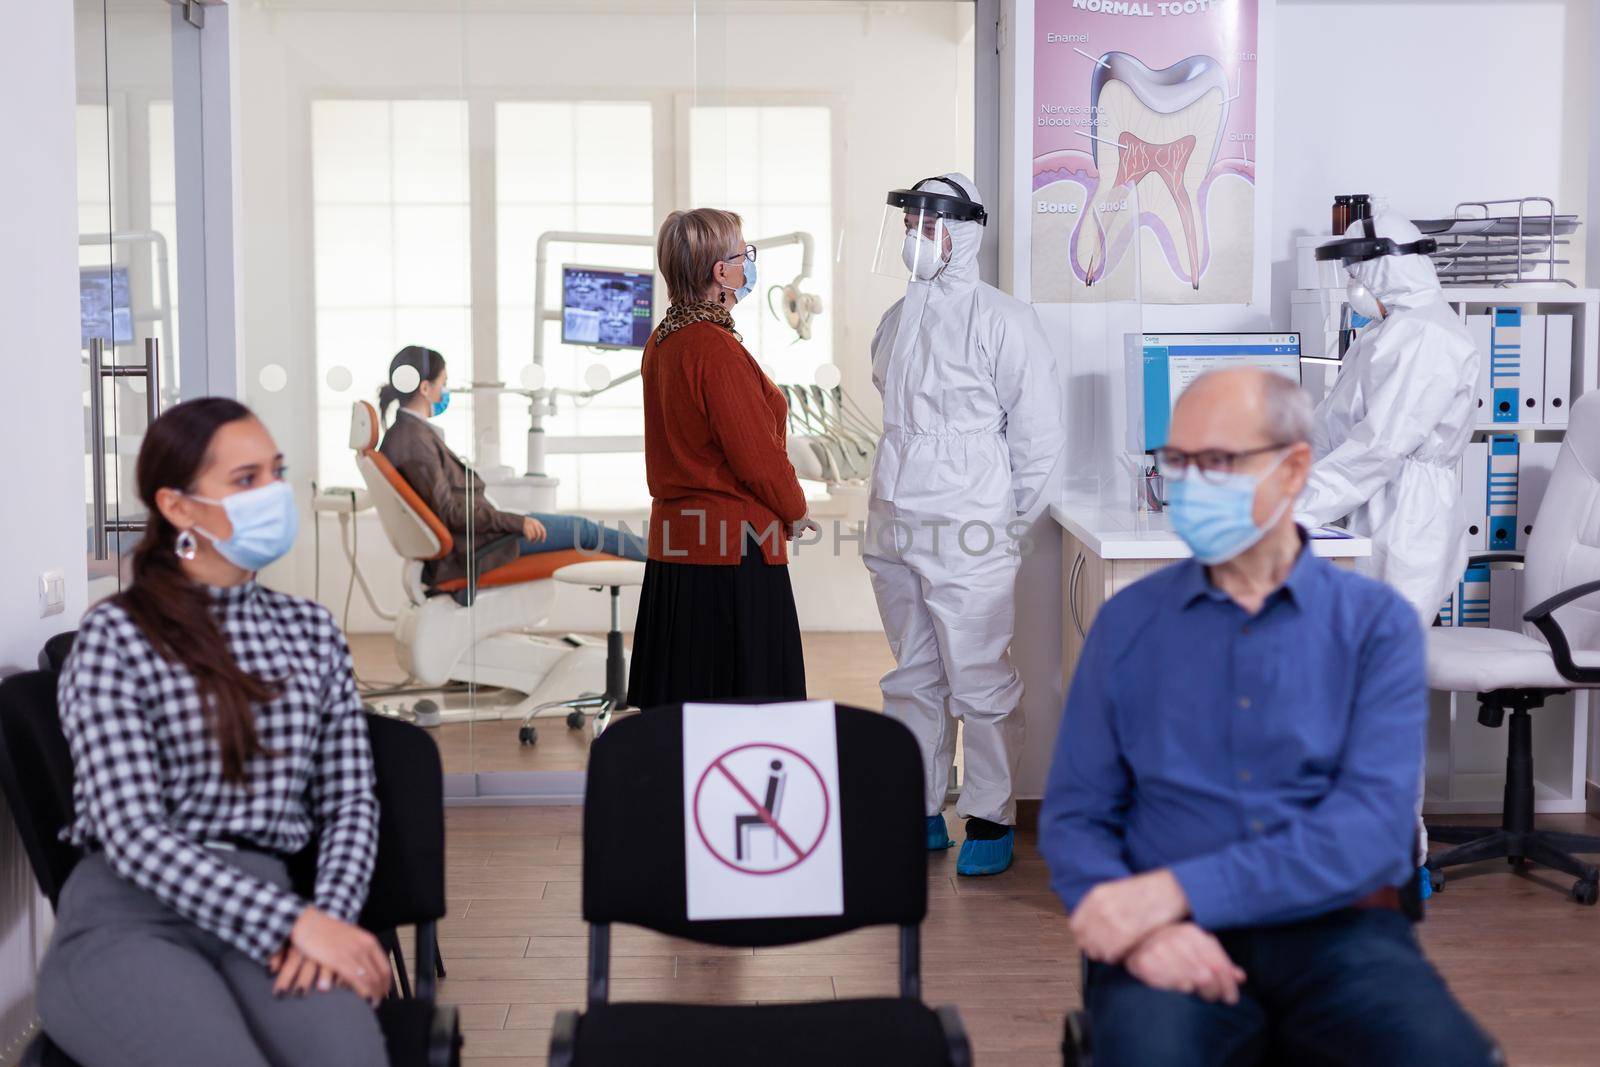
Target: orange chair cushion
[[529, 568]]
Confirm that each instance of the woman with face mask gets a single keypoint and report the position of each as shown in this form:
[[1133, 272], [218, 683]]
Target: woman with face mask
[[716, 615], [215, 731], [419, 384]]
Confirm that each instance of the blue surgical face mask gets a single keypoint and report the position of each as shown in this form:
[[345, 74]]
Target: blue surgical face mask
[[441, 404], [1216, 518], [264, 521], [749, 281]]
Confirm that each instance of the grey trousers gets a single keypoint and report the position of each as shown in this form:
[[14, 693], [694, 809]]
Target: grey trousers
[[128, 981]]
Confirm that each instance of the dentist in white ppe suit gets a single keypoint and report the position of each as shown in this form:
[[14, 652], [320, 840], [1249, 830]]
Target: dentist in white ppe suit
[[1390, 434], [972, 431]]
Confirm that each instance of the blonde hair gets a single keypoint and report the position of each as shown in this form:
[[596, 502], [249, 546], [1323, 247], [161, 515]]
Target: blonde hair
[[690, 245]]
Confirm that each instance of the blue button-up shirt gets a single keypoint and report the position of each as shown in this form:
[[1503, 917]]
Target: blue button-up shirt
[[1271, 762]]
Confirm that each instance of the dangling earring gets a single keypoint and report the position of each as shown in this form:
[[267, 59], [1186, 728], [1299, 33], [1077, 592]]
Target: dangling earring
[[186, 546]]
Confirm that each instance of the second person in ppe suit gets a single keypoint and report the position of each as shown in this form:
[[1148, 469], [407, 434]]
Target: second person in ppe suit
[[1389, 436], [972, 431]]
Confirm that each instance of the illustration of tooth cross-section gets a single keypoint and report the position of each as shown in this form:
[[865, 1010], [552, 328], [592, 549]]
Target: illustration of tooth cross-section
[[1166, 125]]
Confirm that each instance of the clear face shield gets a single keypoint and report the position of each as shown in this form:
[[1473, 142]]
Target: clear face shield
[[914, 241]]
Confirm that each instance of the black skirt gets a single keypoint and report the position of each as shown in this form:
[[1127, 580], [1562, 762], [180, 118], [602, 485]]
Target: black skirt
[[709, 631]]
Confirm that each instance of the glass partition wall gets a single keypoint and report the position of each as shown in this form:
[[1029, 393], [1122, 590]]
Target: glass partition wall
[[134, 59], [486, 181]]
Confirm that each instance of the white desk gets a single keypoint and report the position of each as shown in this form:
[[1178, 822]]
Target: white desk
[[1107, 548]]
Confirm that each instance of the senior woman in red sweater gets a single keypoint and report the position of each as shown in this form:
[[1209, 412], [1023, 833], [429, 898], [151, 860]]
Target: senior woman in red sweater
[[716, 614]]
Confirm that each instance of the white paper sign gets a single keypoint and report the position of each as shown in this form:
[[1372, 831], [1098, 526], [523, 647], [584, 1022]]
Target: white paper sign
[[761, 810]]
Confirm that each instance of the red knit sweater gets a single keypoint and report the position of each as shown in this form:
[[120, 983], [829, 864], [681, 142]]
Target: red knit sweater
[[714, 450]]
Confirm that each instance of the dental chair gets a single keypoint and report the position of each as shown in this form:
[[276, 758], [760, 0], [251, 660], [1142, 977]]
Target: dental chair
[[479, 629]]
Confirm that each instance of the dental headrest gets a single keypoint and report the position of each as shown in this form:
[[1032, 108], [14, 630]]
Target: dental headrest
[[363, 426]]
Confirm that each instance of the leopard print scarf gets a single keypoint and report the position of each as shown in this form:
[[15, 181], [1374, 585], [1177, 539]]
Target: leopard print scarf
[[680, 315]]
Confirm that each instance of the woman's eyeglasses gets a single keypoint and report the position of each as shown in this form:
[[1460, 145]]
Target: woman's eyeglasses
[[748, 253]]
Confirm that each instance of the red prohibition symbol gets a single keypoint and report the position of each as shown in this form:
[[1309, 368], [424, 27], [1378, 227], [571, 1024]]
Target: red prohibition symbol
[[800, 850]]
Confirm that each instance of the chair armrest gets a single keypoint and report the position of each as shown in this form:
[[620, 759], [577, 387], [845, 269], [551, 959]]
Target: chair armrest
[[1543, 617], [955, 1037], [1510, 560], [564, 1038]]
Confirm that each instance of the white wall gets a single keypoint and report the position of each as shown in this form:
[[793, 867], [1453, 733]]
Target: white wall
[[1430, 102], [900, 73], [43, 430]]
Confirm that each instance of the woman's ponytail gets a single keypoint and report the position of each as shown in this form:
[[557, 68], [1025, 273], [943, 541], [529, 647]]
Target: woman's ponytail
[[425, 361]]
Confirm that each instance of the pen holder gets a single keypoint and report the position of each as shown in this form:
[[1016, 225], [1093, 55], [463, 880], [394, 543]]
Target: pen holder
[[1153, 491]]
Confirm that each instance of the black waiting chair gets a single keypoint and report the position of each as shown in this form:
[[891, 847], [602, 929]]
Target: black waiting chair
[[54, 654], [53, 657], [407, 882], [633, 872]]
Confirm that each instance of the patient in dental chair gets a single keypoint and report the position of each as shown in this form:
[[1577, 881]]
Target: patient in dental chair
[[456, 494]]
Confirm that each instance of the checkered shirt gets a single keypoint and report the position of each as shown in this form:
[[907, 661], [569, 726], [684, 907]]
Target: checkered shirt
[[149, 789]]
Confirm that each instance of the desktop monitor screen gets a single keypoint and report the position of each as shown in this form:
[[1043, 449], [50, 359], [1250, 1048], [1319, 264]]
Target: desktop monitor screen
[[606, 307], [104, 310], [1165, 364]]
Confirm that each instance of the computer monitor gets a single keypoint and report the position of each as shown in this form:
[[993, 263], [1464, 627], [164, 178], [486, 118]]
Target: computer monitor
[[1161, 366], [606, 307], [104, 309]]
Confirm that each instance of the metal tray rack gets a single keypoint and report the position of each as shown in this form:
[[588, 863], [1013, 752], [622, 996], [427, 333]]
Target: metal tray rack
[[1485, 244]]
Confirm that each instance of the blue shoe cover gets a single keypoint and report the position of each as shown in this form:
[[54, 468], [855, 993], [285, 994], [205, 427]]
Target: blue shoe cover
[[938, 834], [1425, 883], [986, 857]]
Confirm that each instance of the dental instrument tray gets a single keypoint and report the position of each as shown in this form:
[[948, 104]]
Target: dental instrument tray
[[1484, 244]]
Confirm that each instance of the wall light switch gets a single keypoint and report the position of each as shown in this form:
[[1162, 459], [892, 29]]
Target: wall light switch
[[52, 594]]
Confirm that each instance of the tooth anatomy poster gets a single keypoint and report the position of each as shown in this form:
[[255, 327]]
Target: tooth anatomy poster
[[1144, 149]]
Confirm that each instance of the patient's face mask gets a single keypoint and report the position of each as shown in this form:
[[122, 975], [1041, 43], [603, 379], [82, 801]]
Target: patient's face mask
[[264, 520], [1215, 516]]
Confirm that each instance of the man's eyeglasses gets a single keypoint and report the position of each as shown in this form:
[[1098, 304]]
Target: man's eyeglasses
[[749, 253], [1214, 464]]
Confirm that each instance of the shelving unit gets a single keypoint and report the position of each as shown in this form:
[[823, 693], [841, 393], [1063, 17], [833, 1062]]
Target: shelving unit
[[1466, 761]]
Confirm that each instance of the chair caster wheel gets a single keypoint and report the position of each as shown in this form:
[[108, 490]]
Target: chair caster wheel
[[527, 735], [1585, 892], [575, 720], [1436, 880]]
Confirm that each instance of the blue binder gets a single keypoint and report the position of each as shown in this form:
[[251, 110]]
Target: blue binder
[[1505, 363], [1473, 596], [1502, 492]]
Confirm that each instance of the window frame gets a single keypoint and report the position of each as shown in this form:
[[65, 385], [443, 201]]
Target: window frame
[[670, 185]]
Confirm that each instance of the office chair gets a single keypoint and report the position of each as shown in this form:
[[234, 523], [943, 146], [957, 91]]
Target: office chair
[[633, 872], [1515, 672], [407, 880]]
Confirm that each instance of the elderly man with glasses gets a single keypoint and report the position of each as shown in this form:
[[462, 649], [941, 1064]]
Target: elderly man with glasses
[[1229, 814]]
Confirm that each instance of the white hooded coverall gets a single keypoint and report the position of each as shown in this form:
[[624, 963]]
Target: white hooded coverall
[[1389, 437], [972, 431]]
